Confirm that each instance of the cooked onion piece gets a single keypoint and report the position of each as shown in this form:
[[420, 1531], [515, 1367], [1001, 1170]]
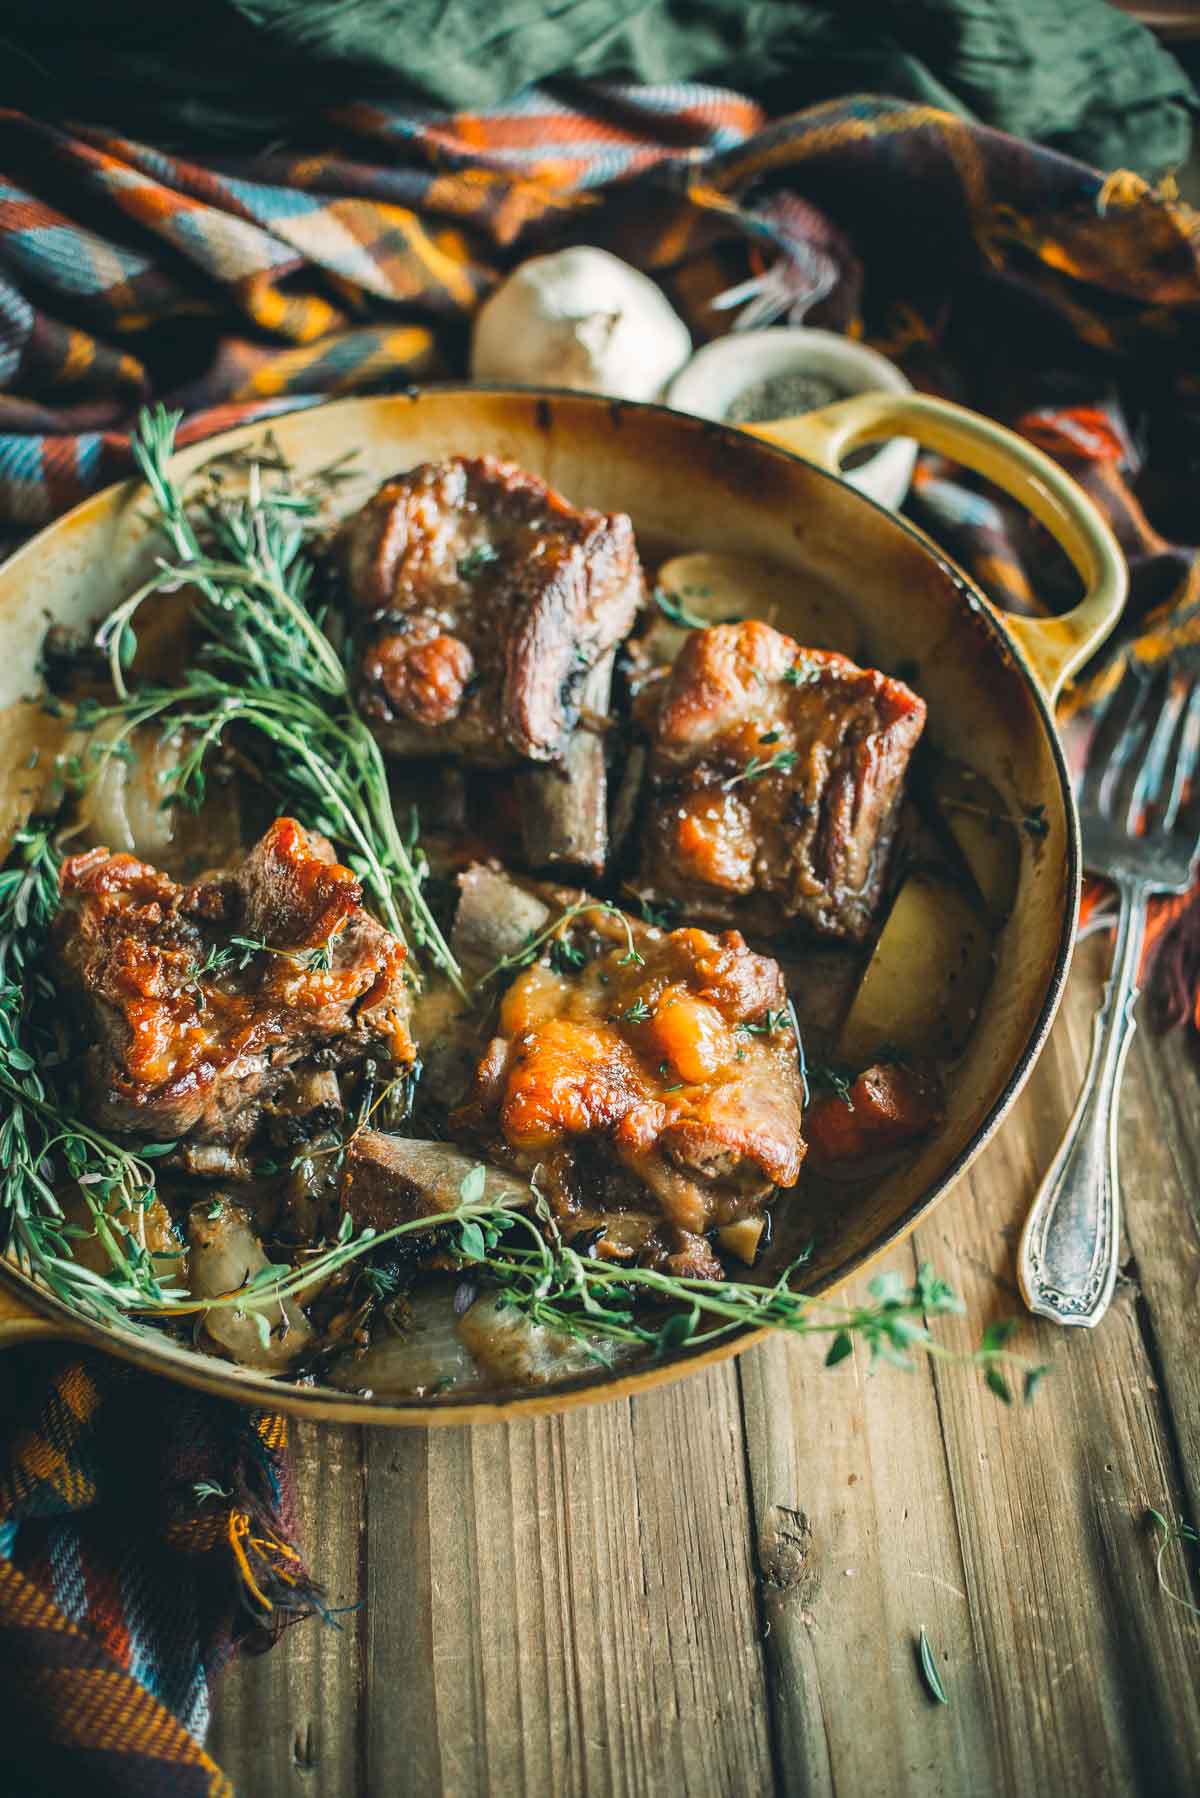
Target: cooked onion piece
[[510, 1350], [121, 804], [225, 1254]]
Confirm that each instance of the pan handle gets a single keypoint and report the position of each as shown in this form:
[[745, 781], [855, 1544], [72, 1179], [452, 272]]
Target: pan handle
[[1053, 647], [20, 1323]]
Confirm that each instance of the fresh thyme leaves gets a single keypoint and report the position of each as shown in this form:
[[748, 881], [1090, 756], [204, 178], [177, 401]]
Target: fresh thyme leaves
[[896, 1325], [662, 916], [773, 1021], [1168, 1535], [800, 673], [822, 1074], [929, 1670], [239, 952], [565, 957], [524, 1260], [268, 666], [758, 766], [479, 557], [637, 1013], [672, 607], [380, 1282]]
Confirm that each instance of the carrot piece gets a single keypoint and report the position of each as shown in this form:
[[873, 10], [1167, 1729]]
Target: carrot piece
[[889, 1106]]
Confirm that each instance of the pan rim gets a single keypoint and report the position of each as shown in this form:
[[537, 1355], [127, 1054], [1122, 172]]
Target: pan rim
[[189, 1367]]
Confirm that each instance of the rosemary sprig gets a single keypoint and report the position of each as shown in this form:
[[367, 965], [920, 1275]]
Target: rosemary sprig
[[268, 667]]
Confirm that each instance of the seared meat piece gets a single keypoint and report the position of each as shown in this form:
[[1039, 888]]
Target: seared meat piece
[[486, 599], [389, 1180], [775, 775], [192, 1033], [663, 1079]]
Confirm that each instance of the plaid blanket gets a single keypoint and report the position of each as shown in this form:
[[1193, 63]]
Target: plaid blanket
[[141, 1541], [1060, 299]]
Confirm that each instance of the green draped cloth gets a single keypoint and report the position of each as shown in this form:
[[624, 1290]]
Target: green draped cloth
[[1074, 74]]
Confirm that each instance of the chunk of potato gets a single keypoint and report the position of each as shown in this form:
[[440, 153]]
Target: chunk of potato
[[973, 813], [742, 1238], [924, 983], [715, 589]]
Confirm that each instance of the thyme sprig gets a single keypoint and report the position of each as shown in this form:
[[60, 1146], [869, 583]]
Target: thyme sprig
[[561, 948], [523, 1259], [759, 766], [1168, 1535]]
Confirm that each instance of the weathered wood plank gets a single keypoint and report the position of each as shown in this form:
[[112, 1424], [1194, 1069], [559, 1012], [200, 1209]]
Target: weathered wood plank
[[286, 1722], [857, 1548], [1160, 1137], [1064, 1661], [1089, 1671], [566, 1606]]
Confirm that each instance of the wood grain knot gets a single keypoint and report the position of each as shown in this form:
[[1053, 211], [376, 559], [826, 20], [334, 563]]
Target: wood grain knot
[[785, 1552]]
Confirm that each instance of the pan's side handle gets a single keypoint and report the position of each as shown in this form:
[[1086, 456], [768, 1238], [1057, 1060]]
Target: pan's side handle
[[1053, 647], [20, 1323]]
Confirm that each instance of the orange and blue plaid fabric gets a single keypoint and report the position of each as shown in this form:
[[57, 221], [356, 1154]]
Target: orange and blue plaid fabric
[[1057, 298], [142, 1539]]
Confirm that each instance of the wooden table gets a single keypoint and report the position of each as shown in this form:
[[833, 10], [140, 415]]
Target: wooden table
[[718, 1588]]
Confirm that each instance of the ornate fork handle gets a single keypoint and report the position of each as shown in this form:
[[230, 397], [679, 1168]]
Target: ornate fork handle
[[1067, 1261]]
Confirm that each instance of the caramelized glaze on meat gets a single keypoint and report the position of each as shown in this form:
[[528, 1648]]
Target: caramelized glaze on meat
[[486, 600], [775, 773], [671, 1083], [191, 1034]]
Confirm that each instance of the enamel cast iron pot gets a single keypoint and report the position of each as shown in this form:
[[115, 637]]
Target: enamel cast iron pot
[[688, 484]]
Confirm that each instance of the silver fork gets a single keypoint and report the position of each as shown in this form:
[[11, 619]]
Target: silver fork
[[1139, 806]]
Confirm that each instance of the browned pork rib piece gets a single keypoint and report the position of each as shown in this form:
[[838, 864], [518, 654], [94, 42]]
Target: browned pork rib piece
[[193, 1034], [484, 600], [564, 808], [775, 774], [657, 1094], [389, 1180]]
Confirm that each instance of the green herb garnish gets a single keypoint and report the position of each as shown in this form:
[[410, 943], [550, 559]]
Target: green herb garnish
[[822, 1074], [772, 1021], [673, 608], [1169, 1534], [758, 766], [929, 1672], [481, 556], [266, 665]]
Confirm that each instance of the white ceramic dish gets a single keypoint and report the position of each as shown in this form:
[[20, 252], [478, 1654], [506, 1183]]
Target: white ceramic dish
[[718, 373]]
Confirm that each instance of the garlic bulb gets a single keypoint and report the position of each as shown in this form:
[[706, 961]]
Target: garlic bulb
[[580, 318]]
